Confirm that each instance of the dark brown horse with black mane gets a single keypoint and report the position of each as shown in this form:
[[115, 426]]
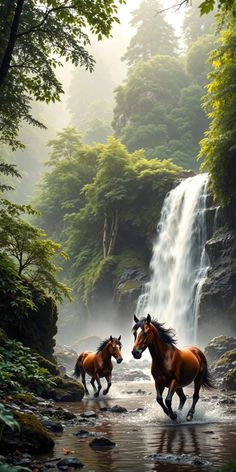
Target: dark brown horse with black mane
[[171, 367], [98, 364]]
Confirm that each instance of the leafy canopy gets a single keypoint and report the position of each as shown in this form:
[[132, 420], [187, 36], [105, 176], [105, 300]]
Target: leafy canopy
[[35, 37], [218, 147]]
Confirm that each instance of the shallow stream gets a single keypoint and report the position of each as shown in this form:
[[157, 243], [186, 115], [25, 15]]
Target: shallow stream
[[138, 434]]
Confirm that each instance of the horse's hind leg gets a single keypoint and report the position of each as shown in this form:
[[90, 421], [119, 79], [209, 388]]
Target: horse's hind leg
[[84, 381], [197, 386], [108, 379], [97, 378], [182, 397], [92, 383]]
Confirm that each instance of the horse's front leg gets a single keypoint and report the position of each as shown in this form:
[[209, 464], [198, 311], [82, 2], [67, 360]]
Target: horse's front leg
[[159, 390], [168, 400], [197, 386], [108, 379], [97, 378]]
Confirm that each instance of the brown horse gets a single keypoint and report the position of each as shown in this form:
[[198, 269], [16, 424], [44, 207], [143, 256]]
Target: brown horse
[[98, 364], [171, 367]]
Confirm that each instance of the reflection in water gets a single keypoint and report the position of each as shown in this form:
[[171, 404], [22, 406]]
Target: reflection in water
[[139, 434]]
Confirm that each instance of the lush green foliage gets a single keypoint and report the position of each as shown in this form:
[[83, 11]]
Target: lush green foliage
[[6, 419], [158, 110], [34, 37], [32, 253], [19, 369], [106, 196], [218, 147], [154, 35]]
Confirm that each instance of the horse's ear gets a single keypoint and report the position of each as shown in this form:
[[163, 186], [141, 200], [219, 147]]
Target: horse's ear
[[119, 338], [148, 319], [136, 319], [110, 338]]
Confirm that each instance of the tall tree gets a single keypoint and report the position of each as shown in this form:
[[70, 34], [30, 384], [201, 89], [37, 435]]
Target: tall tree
[[218, 147], [195, 24], [34, 37], [154, 35]]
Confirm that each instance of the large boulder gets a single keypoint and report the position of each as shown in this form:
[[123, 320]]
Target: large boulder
[[221, 354], [32, 436], [217, 311]]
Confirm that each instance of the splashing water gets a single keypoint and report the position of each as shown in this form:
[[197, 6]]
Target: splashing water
[[179, 262]]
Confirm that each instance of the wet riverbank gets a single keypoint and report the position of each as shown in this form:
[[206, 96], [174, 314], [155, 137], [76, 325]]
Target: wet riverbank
[[146, 439]]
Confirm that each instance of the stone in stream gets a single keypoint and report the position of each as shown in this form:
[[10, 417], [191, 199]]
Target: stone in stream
[[101, 442], [70, 463], [118, 409], [89, 414], [187, 459], [54, 426], [226, 401], [83, 433]]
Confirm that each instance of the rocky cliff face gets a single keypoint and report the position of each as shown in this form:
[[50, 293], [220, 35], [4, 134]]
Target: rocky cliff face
[[217, 313], [36, 328]]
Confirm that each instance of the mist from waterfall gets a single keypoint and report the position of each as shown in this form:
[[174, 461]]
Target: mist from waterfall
[[179, 262]]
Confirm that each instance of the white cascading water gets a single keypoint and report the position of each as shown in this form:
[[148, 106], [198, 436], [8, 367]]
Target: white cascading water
[[179, 262]]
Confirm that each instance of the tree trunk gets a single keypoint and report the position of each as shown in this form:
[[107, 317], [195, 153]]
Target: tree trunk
[[105, 235], [7, 55], [113, 235]]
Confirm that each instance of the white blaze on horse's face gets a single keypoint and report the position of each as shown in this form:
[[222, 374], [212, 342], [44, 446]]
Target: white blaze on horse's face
[[116, 350], [141, 336]]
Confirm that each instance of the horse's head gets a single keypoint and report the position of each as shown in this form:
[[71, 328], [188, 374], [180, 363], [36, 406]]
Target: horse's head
[[143, 336], [115, 349]]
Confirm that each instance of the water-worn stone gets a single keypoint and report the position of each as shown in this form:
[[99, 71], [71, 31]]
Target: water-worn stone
[[219, 346], [118, 409], [54, 426], [88, 414], [101, 442], [70, 462], [177, 459]]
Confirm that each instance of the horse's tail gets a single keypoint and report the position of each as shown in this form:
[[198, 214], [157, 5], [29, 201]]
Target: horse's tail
[[207, 379], [77, 372]]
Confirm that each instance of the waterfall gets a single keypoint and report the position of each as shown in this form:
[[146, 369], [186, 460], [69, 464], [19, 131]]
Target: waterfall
[[179, 262]]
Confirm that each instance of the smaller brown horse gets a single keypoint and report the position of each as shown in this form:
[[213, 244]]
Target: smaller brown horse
[[98, 364], [171, 367]]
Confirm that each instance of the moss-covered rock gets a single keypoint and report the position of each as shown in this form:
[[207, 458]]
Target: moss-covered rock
[[46, 364], [219, 346], [37, 328], [129, 276], [25, 398], [32, 437], [65, 389], [229, 381]]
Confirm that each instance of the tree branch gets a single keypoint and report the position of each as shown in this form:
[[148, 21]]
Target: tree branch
[[48, 12], [4, 68]]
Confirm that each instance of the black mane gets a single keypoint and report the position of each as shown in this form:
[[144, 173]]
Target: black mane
[[103, 344], [167, 334]]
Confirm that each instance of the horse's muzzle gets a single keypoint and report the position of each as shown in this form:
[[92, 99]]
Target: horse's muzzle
[[137, 353], [119, 360]]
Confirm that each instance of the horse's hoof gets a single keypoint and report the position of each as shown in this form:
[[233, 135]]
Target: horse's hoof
[[173, 416], [105, 392], [189, 418], [96, 394]]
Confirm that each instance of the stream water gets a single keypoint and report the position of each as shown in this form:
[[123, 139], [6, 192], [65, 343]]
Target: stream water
[[211, 435]]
